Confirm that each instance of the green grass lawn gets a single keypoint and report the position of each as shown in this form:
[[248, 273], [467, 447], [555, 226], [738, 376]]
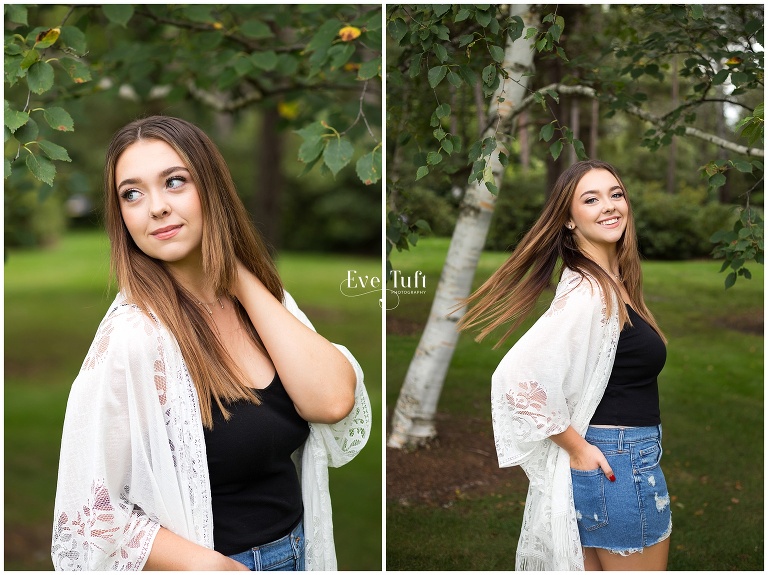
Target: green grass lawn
[[54, 300], [712, 409]]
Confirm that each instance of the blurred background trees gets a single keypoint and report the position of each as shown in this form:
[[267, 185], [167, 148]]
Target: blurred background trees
[[291, 94]]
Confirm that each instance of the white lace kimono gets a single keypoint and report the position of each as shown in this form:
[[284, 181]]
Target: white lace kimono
[[553, 377], [133, 453]]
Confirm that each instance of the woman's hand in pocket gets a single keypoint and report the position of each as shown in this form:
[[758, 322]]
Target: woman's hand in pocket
[[589, 457]]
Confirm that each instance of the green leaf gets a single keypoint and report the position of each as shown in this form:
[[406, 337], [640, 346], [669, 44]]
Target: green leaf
[[340, 54], [434, 158], [462, 15], [743, 166], [547, 131], [16, 13], [421, 172], [59, 119], [447, 145], [489, 74], [717, 180], [368, 167], [40, 77], [243, 66], [369, 69], [76, 70], [578, 146], [337, 154], [255, 29], [313, 144], [119, 14], [443, 111], [7, 168], [730, 280], [54, 151], [397, 29], [455, 79], [74, 38], [28, 132], [440, 9], [497, 53], [30, 57], [483, 18], [436, 75], [42, 168], [440, 52], [556, 148], [720, 77], [264, 60], [14, 119], [697, 11]]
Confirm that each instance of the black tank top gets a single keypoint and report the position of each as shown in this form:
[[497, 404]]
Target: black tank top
[[632, 396], [255, 491]]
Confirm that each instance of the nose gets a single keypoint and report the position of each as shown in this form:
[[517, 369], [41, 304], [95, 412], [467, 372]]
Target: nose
[[608, 208], [159, 207]]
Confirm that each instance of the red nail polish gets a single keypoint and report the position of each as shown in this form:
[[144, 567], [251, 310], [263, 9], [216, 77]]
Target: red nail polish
[[612, 477]]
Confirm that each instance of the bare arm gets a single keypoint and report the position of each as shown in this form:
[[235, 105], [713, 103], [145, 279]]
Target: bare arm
[[584, 455], [171, 552], [317, 377]]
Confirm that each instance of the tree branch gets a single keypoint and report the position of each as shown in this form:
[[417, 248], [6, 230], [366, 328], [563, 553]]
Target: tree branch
[[589, 92]]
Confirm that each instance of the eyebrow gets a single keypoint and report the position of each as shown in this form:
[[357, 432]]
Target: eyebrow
[[164, 173], [596, 191]]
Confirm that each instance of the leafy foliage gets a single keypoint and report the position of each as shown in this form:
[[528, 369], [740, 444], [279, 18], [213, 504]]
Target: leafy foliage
[[228, 57]]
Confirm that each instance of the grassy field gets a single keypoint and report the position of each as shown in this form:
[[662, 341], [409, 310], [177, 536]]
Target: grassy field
[[712, 409], [54, 300]]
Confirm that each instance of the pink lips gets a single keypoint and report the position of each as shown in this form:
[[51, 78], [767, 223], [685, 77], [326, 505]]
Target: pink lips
[[167, 232]]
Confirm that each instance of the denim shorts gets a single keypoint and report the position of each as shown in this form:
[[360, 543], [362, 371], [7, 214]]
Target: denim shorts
[[285, 554], [633, 512]]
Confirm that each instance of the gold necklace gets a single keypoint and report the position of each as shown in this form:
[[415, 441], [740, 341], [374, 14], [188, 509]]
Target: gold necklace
[[207, 307]]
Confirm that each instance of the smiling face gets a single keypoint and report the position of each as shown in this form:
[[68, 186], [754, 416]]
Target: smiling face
[[159, 202], [599, 211]]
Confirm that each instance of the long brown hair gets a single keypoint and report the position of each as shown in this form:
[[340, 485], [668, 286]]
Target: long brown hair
[[228, 235], [510, 294]]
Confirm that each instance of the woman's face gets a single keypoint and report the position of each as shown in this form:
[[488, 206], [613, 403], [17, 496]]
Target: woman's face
[[599, 210], [159, 202]]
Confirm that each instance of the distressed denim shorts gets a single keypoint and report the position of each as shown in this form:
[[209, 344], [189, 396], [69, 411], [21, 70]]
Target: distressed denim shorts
[[285, 554], [632, 512]]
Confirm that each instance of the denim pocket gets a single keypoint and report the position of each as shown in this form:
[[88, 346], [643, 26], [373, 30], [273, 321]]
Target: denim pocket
[[589, 498], [648, 455]]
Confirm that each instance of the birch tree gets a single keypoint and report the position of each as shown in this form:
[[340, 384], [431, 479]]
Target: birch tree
[[412, 422]]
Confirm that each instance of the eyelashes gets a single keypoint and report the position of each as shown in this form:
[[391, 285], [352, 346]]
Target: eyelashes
[[172, 183]]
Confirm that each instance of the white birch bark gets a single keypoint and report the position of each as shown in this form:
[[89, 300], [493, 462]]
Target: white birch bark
[[413, 417]]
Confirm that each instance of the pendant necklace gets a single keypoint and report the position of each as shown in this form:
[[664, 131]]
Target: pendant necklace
[[207, 307]]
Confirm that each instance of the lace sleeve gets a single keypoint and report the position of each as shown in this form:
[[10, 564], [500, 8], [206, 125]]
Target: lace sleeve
[[98, 522], [340, 441], [536, 385]]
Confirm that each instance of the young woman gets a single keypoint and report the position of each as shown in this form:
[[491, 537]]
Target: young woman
[[199, 430], [575, 401]]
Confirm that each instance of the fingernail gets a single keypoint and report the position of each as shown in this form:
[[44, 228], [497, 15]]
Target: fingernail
[[612, 477]]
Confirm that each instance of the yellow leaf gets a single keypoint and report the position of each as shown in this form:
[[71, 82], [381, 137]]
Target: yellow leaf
[[349, 33], [733, 60], [217, 25], [351, 66], [288, 110], [48, 37]]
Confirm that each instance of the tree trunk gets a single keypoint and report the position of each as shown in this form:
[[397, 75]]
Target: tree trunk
[[413, 418]]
